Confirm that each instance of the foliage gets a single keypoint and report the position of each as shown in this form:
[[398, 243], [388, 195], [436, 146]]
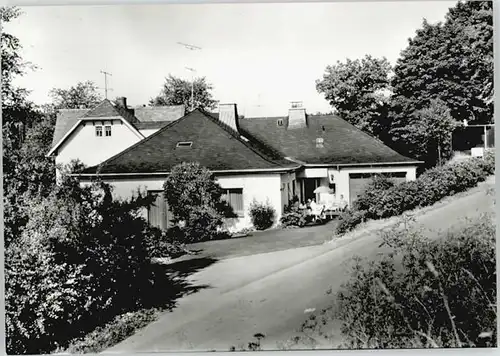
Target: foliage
[[195, 199], [382, 198], [428, 133], [427, 293], [294, 217], [81, 259], [451, 62], [262, 215], [177, 91], [165, 243], [84, 95], [356, 89]]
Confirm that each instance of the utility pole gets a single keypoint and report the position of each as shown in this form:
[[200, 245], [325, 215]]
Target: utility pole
[[106, 83], [192, 70], [191, 48]]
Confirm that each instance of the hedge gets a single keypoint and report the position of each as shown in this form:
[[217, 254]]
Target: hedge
[[383, 198]]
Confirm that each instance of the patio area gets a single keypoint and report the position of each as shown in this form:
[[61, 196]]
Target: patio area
[[265, 241]]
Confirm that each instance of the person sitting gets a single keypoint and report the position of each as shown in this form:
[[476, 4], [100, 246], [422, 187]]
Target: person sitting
[[342, 203]]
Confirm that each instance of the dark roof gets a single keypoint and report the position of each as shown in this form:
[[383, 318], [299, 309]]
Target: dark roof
[[107, 109], [159, 113], [343, 143], [151, 125], [214, 145], [66, 119]]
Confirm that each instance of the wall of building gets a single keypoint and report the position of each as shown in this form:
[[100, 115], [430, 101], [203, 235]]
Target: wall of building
[[261, 187], [341, 176], [148, 132], [288, 180], [92, 150]]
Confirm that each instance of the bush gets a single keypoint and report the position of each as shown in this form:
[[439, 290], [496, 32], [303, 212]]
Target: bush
[[195, 199], [262, 215], [80, 260], [428, 293], [293, 217], [165, 243], [382, 198]]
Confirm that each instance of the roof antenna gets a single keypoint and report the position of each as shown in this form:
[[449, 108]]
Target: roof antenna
[[106, 83]]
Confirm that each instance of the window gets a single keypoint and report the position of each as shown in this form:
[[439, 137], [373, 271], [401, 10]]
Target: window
[[319, 142], [107, 130], [184, 144], [98, 131], [235, 199], [280, 122]]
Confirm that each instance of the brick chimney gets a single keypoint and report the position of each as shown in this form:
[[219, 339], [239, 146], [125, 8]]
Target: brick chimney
[[228, 114], [297, 116], [122, 102]]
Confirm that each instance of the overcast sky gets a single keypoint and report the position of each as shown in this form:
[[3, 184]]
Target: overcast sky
[[260, 56]]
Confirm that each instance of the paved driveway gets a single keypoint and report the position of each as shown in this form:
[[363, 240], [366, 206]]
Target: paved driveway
[[270, 293], [266, 241]]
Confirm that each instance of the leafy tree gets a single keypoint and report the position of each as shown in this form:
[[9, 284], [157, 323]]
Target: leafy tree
[[451, 62], [195, 198], [177, 91], [82, 95], [357, 90]]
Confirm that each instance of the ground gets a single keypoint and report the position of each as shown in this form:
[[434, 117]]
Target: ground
[[271, 293], [266, 241]]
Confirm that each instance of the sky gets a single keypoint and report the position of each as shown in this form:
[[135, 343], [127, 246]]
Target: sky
[[259, 56]]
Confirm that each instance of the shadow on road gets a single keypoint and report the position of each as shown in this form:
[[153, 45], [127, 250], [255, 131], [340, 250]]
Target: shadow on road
[[168, 282]]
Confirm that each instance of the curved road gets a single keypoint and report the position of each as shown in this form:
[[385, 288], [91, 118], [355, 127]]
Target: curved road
[[270, 293]]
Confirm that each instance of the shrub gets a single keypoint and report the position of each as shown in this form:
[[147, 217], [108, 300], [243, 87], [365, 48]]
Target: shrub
[[80, 260], [349, 219], [165, 243], [383, 198], [195, 198], [262, 215], [293, 217], [428, 293]]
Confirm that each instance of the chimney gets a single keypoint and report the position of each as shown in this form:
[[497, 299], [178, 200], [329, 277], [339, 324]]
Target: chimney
[[297, 116], [228, 114], [122, 102]]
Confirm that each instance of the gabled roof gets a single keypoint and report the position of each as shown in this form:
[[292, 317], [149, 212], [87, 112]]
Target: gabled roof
[[150, 125], [107, 109], [66, 119], [343, 143], [214, 145]]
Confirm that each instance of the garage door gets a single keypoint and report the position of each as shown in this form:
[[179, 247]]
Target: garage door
[[359, 181], [159, 215]]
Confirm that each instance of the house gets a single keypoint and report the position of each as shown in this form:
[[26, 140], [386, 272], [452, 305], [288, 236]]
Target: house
[[261, 159], [94, 135]]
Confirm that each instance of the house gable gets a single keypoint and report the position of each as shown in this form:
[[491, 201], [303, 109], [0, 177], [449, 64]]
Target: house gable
[[197, 137]]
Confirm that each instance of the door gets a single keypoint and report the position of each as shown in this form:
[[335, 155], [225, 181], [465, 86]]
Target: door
[[310, 184], [359, 181], [159, 214]]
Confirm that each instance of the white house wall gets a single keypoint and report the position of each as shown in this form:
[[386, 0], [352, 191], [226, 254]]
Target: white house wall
[[148, 132], [261, 187], [84, 145]]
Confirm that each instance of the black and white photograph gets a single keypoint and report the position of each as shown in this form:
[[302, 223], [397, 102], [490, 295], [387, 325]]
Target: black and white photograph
[[228, 177]]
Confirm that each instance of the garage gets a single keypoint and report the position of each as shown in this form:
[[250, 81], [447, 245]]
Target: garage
[[358, 181]]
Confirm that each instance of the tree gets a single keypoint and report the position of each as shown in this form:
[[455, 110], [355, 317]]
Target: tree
[[177, 91], [427, 133], [195, 198], [357, 90], [82, 95], [451, 62]]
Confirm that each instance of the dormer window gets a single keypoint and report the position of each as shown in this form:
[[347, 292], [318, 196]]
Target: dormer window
[[319, 142], [184, 144], [98, 131], [280, 122], [107, 131]]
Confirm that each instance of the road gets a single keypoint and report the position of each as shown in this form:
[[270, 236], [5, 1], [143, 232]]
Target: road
[[269, 293]]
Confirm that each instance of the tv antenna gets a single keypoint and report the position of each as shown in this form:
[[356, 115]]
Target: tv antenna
[[192, 70], [106, 89], [189, 46]]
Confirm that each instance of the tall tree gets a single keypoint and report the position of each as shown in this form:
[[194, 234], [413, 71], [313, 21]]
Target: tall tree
[[358, 90], [451, 62], [82, 95], [177, 91]]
